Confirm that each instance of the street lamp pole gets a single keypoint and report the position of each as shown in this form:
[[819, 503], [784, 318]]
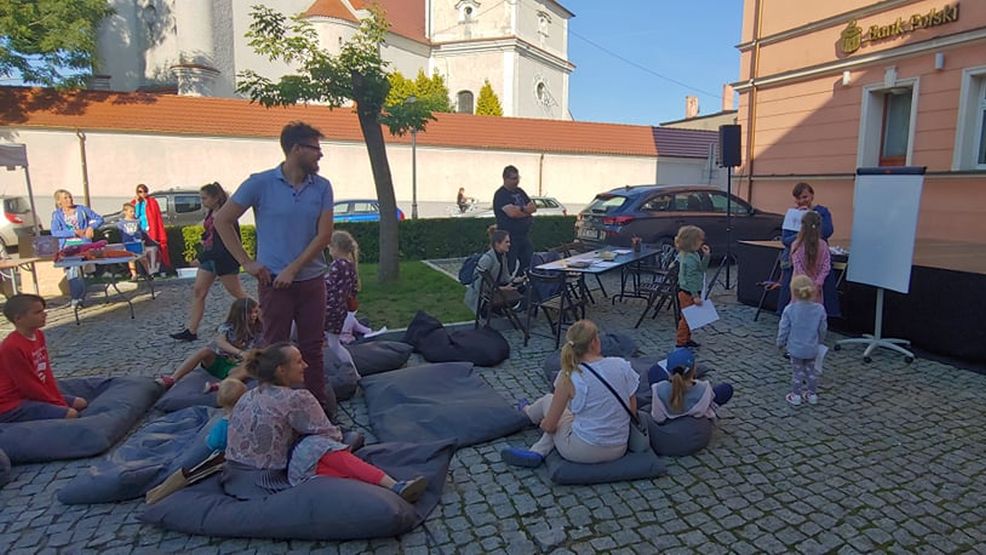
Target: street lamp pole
[[414, 164], [414, 174]]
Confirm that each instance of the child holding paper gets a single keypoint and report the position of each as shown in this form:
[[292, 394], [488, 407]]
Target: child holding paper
[[802, 329], [693, 261]]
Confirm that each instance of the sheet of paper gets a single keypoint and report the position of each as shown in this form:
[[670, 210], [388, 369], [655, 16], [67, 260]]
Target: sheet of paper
[[792, 219], [622, 251], [376, 333], [822, 351], [700, 315], [605, 264]]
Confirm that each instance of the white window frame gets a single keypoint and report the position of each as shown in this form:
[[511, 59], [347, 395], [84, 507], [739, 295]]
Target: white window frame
[[969, 122], [871, 121]]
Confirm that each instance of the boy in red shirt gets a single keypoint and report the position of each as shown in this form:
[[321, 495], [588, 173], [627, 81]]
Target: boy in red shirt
[[28, 390]]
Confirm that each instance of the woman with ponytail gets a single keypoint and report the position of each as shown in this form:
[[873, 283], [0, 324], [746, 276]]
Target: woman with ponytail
[[583, 418], [676, 392], [267, 422]]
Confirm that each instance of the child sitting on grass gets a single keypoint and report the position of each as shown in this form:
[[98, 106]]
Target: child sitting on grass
[[241, 332], [230, 391], [28, 390]]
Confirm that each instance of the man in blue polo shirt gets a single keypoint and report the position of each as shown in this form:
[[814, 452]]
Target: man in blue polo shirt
[[292, 206]]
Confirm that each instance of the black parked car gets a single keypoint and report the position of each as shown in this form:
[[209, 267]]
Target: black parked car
[[655, 212]]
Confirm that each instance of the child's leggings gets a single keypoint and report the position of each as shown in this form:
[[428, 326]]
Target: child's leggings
[[343, 464], [803, 370]]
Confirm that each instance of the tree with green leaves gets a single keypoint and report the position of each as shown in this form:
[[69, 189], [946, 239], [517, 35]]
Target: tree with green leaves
[[50, 42], [432, 90], [488, 103], [358, 74]]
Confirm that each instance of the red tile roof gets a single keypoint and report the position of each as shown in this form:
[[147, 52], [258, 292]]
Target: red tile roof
[[330, 8], [203, 116], [406, 17]]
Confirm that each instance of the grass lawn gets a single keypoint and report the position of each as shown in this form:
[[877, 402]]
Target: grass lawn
[[420, 288]]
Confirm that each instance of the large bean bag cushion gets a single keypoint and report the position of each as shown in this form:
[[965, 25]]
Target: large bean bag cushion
[[115, 405], [340, 376], [482, 347], [438, 401], [613, 345], [187, 392], [374, 357], [681, 436], [176, 440], [632, 466], [4, 469], [318, 509]]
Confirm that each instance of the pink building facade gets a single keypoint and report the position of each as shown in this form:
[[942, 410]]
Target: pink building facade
[[836, 85]]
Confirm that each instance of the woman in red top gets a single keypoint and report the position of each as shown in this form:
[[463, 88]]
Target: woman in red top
[[28, 390], [149, 214]]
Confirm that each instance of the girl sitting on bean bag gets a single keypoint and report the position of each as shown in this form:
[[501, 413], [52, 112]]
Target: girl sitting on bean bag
[[676, 392]]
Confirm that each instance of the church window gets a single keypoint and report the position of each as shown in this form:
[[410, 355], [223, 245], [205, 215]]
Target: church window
[[468, 10], [465, 102]]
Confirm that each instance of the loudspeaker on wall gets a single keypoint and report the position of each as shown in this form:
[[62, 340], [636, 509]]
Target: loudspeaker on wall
[[729, 146]]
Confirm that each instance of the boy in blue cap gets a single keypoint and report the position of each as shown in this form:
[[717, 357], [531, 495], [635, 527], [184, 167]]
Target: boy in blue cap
[[677, 393]]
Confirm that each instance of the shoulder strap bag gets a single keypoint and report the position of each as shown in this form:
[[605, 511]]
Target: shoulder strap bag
[[639, 440]]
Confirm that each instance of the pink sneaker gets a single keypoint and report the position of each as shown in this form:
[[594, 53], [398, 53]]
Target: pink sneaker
[[165, 381]]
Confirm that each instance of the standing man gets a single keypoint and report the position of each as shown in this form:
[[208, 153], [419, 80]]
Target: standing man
[[514, 209], [292, 206]]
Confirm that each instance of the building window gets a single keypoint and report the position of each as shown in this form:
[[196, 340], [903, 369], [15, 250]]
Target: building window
[[970, 133], [465, 102], [896, 128], [468, 10], [886, 126]]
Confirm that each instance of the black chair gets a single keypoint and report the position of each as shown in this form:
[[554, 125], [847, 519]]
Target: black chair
[[660, 292], [494, 301], [650, 270], [571, 249], [772, 283], [565, 306]]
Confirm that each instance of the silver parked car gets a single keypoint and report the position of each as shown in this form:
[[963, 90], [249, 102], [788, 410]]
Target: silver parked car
[[547, 206], [179, 206], [16, 221]]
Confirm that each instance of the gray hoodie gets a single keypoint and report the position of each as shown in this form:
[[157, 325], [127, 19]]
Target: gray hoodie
[[803, 326]]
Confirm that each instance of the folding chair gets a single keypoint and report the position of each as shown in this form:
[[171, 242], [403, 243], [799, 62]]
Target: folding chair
[[492, 300], [772, 282], [561, 308], [661, 291]]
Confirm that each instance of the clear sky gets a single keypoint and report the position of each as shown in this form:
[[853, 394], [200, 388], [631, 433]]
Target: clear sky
[[692, 42]]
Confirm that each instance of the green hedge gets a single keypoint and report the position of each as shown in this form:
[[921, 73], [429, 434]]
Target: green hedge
[[419, 239]]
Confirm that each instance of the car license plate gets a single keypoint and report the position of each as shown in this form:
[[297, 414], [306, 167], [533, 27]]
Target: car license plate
[[589, 234]]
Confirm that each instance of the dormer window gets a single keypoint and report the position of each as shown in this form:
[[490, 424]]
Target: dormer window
[[468, 10]]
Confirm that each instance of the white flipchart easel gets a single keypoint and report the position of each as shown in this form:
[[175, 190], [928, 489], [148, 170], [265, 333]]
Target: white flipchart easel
[[886, 204]]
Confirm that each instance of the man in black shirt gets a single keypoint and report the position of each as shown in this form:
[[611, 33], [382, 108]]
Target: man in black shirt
[[514, 209]]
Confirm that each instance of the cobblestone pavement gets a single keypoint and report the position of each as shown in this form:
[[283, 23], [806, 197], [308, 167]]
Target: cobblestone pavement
[[886, 461]]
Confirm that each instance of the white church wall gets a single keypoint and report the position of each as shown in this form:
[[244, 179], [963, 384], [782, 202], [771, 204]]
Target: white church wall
[[489, 20], [120, 47], [468, 71], [156, 33], [244, 56], [119, 161], [405, 55], [544, 25], [552, 103], [225, 48]]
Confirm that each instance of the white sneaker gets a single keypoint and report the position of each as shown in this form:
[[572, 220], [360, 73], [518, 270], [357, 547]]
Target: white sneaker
[[793, 399], [811, 398]]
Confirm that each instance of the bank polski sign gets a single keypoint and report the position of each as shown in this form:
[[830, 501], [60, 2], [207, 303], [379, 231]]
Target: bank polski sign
[[854, 37]]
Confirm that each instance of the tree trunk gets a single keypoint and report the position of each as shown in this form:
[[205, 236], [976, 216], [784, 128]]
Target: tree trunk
[[373, 135]]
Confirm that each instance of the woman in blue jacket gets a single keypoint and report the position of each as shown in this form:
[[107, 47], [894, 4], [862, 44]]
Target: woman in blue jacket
[[804, 198], [73, 224]]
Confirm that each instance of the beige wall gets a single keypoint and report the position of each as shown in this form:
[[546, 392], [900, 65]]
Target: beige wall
[[809, 128], [117, 162], [491, 20]]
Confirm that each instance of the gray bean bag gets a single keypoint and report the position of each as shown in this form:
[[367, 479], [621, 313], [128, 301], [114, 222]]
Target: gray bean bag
[[176, 440], [187, 392], [115, 405], [339, 375], [681, 436], [482, 347], [373, 357], [632, 466], [328, 509], [613, 345], [4, 469], [438, 401]]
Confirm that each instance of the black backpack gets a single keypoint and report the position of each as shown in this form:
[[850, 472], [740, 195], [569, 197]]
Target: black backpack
[[467, 273]]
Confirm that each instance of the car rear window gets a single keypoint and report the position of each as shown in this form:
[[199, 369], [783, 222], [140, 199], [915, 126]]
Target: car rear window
[[16, 205], [607, 204]]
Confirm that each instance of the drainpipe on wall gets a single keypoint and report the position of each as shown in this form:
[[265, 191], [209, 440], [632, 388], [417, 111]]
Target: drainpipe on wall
[[85, 168], [751, 113], [540, 175]]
